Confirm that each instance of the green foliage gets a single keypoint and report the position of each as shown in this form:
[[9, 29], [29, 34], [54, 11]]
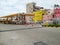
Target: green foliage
[[54, 25]]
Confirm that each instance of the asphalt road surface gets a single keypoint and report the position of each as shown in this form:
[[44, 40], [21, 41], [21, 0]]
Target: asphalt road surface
[[43, 36]]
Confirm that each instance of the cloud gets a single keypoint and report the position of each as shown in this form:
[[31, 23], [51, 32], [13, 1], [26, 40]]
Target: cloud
[[14, 6]]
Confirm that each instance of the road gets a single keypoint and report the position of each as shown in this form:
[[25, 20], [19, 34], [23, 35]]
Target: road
[[44, 36]]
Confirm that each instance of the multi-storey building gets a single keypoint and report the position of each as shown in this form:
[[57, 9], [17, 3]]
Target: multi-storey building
[[57, 14], [31, 7]]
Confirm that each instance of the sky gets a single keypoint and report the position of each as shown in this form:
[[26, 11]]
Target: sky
[[8, 7]]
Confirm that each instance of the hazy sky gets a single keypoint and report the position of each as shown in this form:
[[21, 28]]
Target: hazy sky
[[15, 6]]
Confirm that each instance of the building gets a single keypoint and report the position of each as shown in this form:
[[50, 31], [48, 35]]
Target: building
[[29, 18], [19, 18], [47, 18], [31, 7], [57, 14], [49, 11], [56, 11]]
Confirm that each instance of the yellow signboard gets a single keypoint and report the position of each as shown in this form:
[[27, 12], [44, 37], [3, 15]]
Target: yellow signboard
[[37, 15]]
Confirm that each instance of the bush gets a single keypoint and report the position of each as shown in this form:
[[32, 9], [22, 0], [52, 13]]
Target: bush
[[54, 25]]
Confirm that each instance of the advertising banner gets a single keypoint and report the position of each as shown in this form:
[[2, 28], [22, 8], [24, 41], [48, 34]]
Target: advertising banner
[[57, 13]]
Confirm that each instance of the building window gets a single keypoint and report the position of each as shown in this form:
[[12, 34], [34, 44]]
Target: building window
[[48, 12]]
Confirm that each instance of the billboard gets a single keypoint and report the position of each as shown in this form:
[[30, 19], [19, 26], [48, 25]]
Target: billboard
[[57, 13], [37, 15]]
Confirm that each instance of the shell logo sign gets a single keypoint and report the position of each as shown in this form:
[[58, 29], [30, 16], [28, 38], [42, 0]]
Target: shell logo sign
[[38, 15]]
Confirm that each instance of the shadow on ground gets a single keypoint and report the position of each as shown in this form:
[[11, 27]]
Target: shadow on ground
[[40, 43]]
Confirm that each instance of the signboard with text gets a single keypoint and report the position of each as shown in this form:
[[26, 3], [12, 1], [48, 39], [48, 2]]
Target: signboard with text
[[57, 13]]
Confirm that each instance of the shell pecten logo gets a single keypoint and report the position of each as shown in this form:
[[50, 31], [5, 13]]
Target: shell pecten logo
[[37, 15]]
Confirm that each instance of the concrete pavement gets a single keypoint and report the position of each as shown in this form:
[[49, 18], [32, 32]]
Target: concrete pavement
[[14, 27], [46, 36]]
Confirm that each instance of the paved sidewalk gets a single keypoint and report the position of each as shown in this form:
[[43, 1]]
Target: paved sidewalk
[[12, 27]]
